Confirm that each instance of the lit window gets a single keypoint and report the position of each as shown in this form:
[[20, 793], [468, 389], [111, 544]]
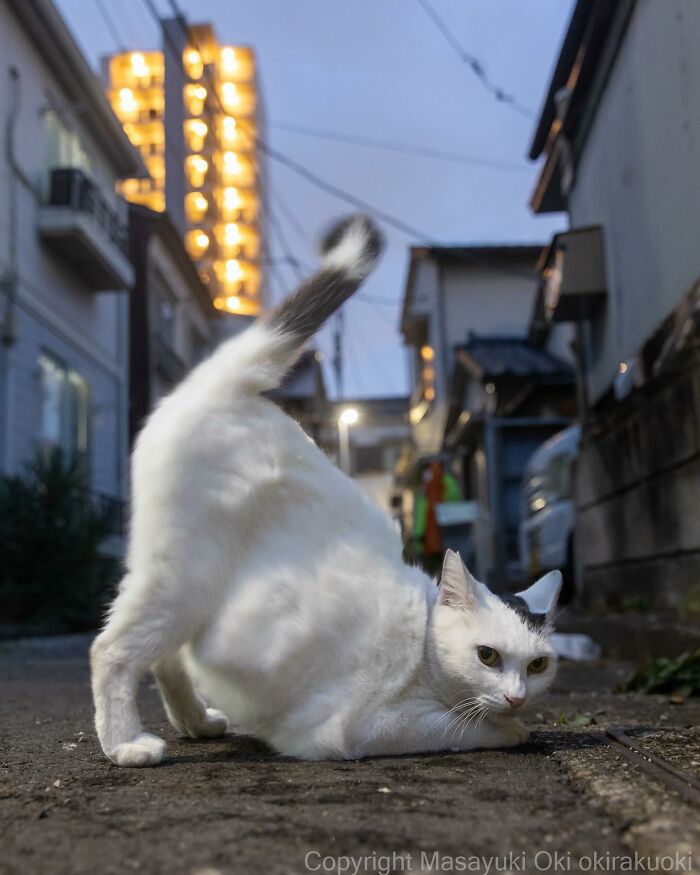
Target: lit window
[[196, 170], [229, 95], [196, 132], [232, 200], [127, 102], [195, 96], [233, 270], [229, 129], [229, 61], [196, 206], [197, 243], [193, 63], [139, 65]]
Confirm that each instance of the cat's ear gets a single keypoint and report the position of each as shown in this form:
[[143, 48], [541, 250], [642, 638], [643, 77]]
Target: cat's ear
[[457, 587], [541, 597]]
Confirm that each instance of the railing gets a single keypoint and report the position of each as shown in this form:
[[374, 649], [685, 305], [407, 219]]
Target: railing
[[70, 187]]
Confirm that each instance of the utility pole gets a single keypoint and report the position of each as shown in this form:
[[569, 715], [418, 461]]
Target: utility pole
[[338, 337]]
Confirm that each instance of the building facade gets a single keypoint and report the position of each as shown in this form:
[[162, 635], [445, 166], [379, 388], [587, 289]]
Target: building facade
[[488, 386], [619, 133], [374, 444], [172, 325], [450, 292], [64, 265], [302, 393], [193, 109]]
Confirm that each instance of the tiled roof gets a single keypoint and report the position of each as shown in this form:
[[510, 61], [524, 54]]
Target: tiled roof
[[498, 357]]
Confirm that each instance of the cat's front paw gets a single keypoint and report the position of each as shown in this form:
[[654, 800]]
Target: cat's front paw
[[143, 750], [514, 733], [214, 725]]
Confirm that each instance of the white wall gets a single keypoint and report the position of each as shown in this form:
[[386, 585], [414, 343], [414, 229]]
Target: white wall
[[491, 302], [639, 177]]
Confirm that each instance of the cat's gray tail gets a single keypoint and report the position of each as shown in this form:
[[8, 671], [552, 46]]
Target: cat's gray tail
[[259, 358], [350, 250]]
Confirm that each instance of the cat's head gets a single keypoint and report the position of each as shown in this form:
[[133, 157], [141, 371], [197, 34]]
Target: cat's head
[[486, 651]]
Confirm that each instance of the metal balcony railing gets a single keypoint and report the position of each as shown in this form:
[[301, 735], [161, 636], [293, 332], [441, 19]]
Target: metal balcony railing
[[70, 187]]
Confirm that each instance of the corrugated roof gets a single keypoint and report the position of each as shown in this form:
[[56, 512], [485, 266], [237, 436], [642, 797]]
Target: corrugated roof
[[493, 358]]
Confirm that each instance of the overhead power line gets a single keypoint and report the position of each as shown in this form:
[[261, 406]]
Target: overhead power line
[[111, 25], [473, 62], [334, 190], [421, 151]]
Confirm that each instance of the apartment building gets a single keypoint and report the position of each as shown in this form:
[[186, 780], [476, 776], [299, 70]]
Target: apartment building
[[65, 272]]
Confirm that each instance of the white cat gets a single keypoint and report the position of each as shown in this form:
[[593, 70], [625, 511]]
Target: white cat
[[261, 578]]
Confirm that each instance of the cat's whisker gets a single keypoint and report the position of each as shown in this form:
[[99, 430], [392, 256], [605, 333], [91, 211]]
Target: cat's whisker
[[472, 716], [465, 716]]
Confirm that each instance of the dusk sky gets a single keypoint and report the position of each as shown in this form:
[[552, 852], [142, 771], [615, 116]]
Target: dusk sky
[[381, 69]]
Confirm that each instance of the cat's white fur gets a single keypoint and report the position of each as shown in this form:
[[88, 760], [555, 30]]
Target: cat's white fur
[[262, 581]]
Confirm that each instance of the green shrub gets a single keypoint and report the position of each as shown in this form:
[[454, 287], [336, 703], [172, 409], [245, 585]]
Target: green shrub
[[52, 574]]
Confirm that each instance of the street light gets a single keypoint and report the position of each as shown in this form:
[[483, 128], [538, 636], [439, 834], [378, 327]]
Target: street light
[[349, 416]]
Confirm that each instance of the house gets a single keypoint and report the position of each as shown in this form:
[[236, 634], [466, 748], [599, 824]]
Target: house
[[302, 394], [489, 384], [367, 436], [65, 273], [618, 136], [172, 323]]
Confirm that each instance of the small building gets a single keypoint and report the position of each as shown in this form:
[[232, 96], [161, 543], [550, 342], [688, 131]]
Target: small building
[[302, 395], [375, 443], [618, 134], [489, 384], [65, 273], [451, 291], [507, 396], [172, 323]]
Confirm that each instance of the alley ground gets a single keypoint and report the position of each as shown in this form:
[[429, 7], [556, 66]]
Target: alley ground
[[231, 806]]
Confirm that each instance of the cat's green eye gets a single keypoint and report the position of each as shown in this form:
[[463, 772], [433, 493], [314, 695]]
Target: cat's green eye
[[537, 666], [488, 655]]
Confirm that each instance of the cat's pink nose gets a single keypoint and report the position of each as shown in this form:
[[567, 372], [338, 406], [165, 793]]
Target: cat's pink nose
[[514, 701]]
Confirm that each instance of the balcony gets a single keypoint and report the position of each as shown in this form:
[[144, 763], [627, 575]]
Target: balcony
[[85, 230]]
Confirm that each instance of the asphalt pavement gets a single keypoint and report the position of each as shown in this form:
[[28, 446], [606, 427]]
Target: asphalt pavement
[[566, 801]]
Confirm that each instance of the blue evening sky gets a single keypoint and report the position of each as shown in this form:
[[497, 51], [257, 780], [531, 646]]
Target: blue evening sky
[[379, 68]]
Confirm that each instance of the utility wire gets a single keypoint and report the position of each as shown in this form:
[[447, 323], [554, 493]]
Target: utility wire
[[422, 151], [334, 190], [293, 220], [110, 24], [473, 62]]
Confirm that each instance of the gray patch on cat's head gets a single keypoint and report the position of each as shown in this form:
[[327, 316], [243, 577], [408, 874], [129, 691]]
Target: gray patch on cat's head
[[536, 622]]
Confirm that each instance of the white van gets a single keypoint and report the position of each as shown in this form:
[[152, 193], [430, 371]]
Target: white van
[[547, 510]]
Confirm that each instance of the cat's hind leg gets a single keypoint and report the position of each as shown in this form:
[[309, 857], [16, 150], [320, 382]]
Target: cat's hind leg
[[186, 711], [143, 626]]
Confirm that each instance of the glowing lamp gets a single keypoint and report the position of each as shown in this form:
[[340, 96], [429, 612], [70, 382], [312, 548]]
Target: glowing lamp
[[349, 416]]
